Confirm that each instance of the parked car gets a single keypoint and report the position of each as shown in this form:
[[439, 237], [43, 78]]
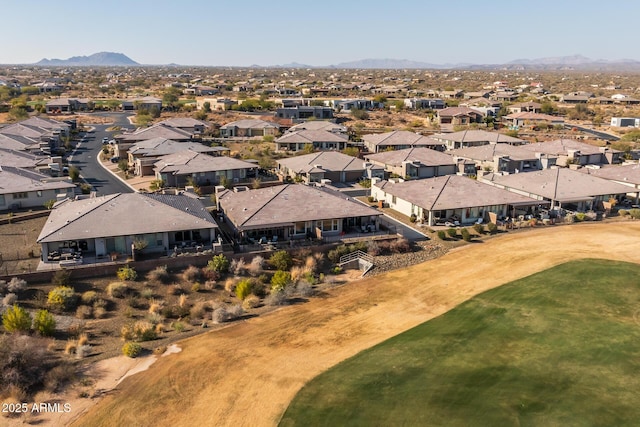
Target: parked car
[[115, 159], [105, 140]]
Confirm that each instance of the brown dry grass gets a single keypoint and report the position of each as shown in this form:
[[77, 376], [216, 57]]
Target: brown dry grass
[[16, 240], [248, 373]]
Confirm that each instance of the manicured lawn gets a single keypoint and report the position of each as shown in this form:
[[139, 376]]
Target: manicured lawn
[[558, 348]]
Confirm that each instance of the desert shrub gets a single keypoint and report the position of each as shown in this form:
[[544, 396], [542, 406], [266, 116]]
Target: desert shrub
[[195, 287], [478, 228], [442, 235], [230, 285], [634, 213], [82, 351], [275, 298], [9, 299], [298, 273], [62, 298], [44, 323], [311, 264], [70, 347], [569, 218], [131, 349], [178, 326], [280, 280], [117, 289], [141, 330], [175, 290], [466, 236], [3, 286], [580, 216], [210, 275], [16, 285], [61, 278], [492, 228], [219, 263], [238, 267], [235, 311], [244, 289], [623, 212], [256, 265], [281, 260], [305, 288], [58, 376], [335, 254], [259, 289], [84, 312], [99, 308], [191, 274], [146, 293], [88, 297], [452, 232], [336, 270], [24, 362], [198, 310], [251, 301], [182, 300], [16, 320], [400, 246], [373, 248], [413, 218], [158, 274], [127, 273]]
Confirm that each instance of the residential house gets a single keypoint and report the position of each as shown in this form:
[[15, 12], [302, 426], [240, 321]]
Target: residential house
[[474, 138], [319, 125], [23, 143], [452, 94], [291, 211], [626, 174], [145, 103], [37, 134], [505, 96], [625, 122], [327, 165], [38, 163], [399, 140], [450, 198], [249, 128], [561, 187], [304, 112], [216, 104], [24, 188], [522, 107], [569, 151], [311, 139], [419, 162], [125, 140], [188, 167], [346, 105], [504, 158], [479, 94], [66, 105], [518, 120], [143, 155], [459, 116], [109, 225], [579, 97], [488, 107], [187, 124], [424, 103]]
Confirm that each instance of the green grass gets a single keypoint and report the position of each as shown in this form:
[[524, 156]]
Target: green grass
[[559, 348]]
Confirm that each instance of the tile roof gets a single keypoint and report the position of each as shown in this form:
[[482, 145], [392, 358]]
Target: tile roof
[[425, 156], [250, 123], [488, 152], [452, 192], [629, 173], [156, 131], [458, 111], [156, 147], [319, 125], [400, 137], [561, 184], [473, 135], [124, 215], [310, 136], [14, 180], [327, 160], [287, 204], [188, 161], [19, 159], [560, 147]]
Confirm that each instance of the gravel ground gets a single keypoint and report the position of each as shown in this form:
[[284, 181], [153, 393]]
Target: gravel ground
[[423, 251]]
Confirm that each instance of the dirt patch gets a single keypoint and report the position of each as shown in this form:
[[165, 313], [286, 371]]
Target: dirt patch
[[247, 374], [18, 248]]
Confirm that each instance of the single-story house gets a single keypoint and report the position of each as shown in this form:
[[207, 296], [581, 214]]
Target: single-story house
[[327, 165], [143, 155], [522, 107], [625, 122], [561, 187], [474, 138], [303, 112], [106, 225], [504, 158], [569, 151], [459, 116], [249, 128], [23, 144], [424, 103], [47, 165], [626, 174], [318, 139], [525, 118], [23, 188], [346, 105], [319, 125], [216, 104], [187, 124], [399, 140], [420, 162], [145, 103], [178, 169], [125, 140], [449, 198], [66, 105], [293, 211]]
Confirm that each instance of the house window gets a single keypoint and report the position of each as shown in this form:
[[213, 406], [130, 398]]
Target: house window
[[23, 195], [393, 199], [300, 228]]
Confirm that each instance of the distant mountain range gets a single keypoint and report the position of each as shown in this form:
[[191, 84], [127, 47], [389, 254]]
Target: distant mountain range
[[577, 62], [97, 59]]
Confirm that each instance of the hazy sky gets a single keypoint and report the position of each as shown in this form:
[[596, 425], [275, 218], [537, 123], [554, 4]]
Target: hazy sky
[[270, 32]]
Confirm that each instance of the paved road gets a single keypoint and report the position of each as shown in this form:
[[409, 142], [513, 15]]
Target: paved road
[[596, 133], [86, 155]]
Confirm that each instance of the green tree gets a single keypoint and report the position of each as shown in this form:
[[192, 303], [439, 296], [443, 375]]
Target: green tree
[[206, 107], [171, 96], [244, 288], [359, 114], [16, 320], [219, 263], [280, 280], [44, 323], [281, 260], [62, 298]]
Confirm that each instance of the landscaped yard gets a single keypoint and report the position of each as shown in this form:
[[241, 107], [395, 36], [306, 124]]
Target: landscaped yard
[[561, 347]]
